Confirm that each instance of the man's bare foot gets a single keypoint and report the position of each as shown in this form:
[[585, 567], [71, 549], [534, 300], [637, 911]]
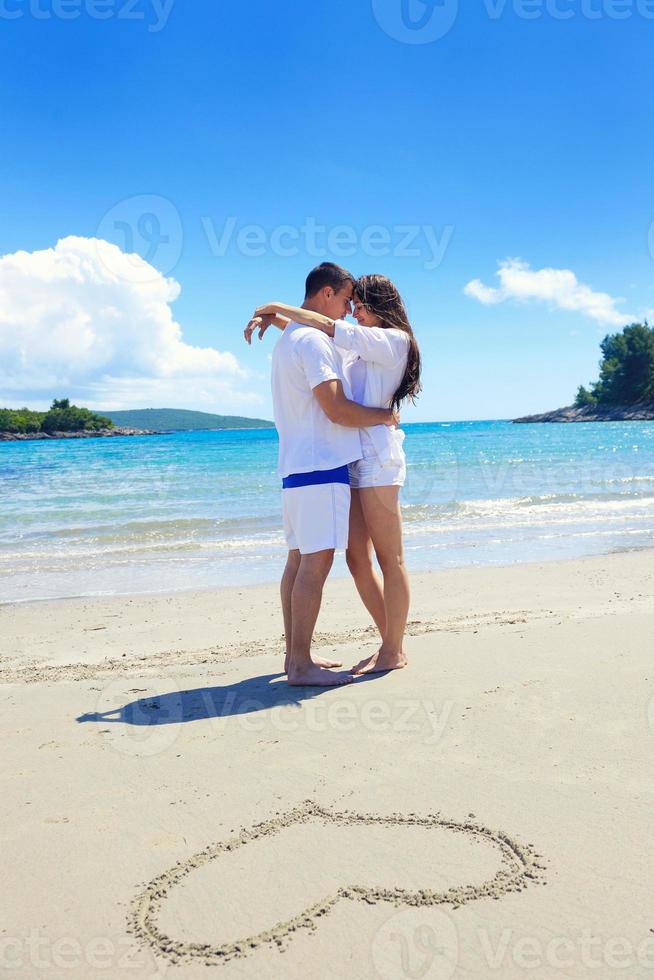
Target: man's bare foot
[[318, 661], [379, 662], [310, 675]]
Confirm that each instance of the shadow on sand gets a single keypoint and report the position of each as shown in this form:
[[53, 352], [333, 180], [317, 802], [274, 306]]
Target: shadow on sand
[[243, 698]]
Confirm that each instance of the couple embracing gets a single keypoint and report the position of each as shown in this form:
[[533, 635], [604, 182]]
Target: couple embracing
[[337, 388]]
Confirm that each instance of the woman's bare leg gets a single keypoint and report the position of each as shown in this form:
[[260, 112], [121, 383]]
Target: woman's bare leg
[[359, 561], [381, 511]]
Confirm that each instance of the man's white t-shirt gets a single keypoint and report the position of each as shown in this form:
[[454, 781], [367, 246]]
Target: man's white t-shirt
[[302, 359]]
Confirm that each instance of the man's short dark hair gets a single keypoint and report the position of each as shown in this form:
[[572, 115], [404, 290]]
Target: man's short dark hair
[[327, 274]]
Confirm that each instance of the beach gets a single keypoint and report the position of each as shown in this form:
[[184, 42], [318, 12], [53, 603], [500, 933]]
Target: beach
[[485, 812], [236, 366]]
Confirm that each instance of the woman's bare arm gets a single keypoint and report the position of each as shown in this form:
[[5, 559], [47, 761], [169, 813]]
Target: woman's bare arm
[[299, 315], [261, 323]]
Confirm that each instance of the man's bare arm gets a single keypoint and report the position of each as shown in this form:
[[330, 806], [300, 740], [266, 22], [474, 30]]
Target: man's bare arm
[[339, 409]]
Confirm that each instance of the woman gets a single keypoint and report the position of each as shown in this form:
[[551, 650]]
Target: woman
[[381, 361]]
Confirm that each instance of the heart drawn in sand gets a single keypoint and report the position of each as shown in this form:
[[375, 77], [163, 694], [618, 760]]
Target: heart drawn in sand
[[518, 867]]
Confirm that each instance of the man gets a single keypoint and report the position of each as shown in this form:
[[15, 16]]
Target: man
[[318, 436]]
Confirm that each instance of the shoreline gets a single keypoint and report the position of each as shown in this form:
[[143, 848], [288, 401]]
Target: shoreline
[[273, 582], [87, 629], [120, 431], [589, 413], [77, 434]]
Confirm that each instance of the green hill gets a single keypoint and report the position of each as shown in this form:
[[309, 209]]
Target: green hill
[[181, 419]]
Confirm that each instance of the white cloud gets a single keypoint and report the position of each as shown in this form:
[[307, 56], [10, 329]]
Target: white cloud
[[88, 321], [559, 287]]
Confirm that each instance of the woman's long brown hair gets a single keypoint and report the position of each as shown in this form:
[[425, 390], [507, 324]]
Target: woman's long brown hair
[[379, 296]]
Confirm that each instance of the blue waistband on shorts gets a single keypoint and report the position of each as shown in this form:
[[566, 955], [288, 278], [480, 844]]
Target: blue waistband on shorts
[[316, 477]]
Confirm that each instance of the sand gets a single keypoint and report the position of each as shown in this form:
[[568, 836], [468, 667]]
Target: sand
[[171, 808]]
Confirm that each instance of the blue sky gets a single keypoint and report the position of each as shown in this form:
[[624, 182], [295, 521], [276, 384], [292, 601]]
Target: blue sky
[[510, 137]]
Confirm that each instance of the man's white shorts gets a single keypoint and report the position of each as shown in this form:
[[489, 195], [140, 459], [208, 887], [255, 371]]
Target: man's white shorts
[[316, 518]]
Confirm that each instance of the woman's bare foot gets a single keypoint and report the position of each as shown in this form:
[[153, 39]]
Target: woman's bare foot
[[318, 661], [324, 662], [310, 675], [380, 662]]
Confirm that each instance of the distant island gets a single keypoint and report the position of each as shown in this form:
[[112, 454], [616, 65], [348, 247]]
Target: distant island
[[66, 421], [61, 421], [625, 390], [181, 419]]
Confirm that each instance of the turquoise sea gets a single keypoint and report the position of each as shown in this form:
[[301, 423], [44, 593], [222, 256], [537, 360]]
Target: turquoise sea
[[200, 509]]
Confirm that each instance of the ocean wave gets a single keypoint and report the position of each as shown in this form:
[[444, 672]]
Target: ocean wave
[[188, 534], [154, 550], [536, 503], [190, 528]]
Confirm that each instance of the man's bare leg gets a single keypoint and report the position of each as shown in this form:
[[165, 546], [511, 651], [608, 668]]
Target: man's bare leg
[[286, 591], [306, 597]]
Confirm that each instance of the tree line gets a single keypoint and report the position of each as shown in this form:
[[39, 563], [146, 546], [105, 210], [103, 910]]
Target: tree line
[[60, 417], [626, 369]]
